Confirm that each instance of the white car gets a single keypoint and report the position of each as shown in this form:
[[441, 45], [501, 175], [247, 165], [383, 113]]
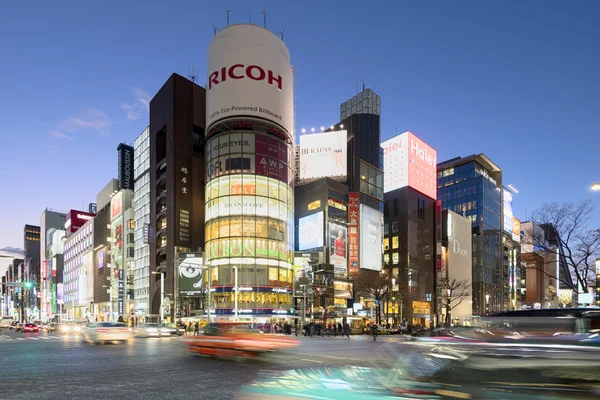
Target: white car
[[145, 330], [100, 332]]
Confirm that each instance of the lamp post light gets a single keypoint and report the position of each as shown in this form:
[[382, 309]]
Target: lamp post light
[[109, 291], [161, 271], [487, 304]]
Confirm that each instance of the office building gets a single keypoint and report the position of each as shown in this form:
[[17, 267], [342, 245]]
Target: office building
[[78, 277], [55, 221], [31, 254], [177, 181], [103, 274], [410, 216], [249, 159], [472, 187], [511, 240], [141, 212], [455, 271]]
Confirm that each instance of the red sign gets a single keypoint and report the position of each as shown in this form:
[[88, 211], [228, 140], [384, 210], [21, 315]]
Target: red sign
[[76, 219], [267, 146], [271, 167], [353, 237]]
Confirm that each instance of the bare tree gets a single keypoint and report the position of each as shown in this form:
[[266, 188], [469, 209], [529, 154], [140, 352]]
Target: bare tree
[[456, 292], [568, 224], [373, 284]]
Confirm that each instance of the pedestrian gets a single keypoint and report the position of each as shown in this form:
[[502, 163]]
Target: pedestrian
[[346, 331], [340, 329], [374, 332], [196, 328]]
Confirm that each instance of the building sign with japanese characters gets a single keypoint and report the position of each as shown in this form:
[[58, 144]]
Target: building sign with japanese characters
[[353, 237]]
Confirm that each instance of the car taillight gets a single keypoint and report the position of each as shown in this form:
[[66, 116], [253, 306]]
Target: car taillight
[[101, 330]]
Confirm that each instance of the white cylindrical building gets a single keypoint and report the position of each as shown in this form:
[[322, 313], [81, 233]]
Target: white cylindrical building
[[249, 163]]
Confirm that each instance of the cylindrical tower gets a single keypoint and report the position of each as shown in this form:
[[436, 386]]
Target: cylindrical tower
[[250, 160]]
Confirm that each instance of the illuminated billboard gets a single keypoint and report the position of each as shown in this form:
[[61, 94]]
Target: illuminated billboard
[[76, 219], [310, 231], [190, 275], [338, 247], [508, 210], [408, 161], [516, 230], [371, 238], [323, 155], [249, 74]]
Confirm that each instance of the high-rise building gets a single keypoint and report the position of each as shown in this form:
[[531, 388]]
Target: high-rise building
[[472, 187], [177, 181], [410, 216], [141, 211], [50, 220], [249, 158], [31, 254]]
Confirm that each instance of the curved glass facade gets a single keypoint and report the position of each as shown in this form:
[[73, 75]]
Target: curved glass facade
[[249, 217]]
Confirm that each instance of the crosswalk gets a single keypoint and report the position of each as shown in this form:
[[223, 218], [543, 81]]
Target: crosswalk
[[42, 338]]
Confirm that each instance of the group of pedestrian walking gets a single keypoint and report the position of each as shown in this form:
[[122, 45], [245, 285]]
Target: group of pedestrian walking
[[315, 329]]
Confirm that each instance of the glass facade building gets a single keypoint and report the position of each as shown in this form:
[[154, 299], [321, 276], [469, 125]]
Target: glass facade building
[[250, 218], [141, 211], [472, 187]]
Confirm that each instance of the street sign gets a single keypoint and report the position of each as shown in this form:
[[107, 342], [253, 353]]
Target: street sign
[[14, 284]]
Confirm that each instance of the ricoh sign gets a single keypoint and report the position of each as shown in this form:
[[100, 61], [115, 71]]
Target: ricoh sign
[[249, 75]]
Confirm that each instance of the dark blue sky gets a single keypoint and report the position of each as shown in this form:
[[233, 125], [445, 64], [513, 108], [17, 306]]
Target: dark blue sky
[[517, 80]]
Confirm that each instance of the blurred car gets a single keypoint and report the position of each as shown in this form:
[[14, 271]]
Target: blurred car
[[383, 330], [151, 329], [30, 328], [236, 339], [100, 332], [19, 327], [174, 330], [13, 325], [70, 327], [52, 327]]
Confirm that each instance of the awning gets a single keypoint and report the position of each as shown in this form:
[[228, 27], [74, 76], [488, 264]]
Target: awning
[[344, 294]]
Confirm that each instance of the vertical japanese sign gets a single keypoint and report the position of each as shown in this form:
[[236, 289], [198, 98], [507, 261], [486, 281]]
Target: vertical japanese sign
[[121, 291], [184, 214], [353, 252]]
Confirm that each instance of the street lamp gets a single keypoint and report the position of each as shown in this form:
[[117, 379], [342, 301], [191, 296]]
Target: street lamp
[[595, 186], [487, 303], [161, 271], [109, 291], [235, 274]]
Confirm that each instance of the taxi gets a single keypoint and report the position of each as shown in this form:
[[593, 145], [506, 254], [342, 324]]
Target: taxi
[[236, 339]]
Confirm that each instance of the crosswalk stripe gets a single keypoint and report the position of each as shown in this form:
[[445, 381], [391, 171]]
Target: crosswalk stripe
[[44, 337], [33, 338], [20, 338]]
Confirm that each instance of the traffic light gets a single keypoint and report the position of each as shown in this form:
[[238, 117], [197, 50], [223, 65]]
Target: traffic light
[[27, 285]]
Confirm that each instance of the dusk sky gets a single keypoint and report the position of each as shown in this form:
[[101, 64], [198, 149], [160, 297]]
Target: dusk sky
[[516, 80]]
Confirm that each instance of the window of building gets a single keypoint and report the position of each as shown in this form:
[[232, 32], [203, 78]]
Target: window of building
[[395, 227], [386, 258], [395, 243], [131, 224], [386, 244], [386, 228], [395, 258], [421, 208], [395, 207]]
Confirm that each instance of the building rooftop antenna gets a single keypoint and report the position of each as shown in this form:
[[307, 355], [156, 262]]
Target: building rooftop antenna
[[282, 32], [215, 29], [193, 76], [227, 11], [264, 12]]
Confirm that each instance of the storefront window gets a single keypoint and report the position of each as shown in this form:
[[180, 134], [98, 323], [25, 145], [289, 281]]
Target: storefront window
[[273, 276]]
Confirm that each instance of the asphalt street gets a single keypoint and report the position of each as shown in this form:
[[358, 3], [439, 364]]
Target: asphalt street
[[53, 366]]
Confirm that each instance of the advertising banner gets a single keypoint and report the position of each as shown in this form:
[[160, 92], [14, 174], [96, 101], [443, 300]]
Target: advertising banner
[[310, 231], [249, 74], [338, 241], [408, 161], [190, 279], [323, 155], [353, 230], [371, 238], [125, 166], [116, 205], [516, 230], [507, 198]]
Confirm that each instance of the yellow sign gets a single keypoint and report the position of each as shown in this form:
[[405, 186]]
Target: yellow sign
[[421, 307]]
